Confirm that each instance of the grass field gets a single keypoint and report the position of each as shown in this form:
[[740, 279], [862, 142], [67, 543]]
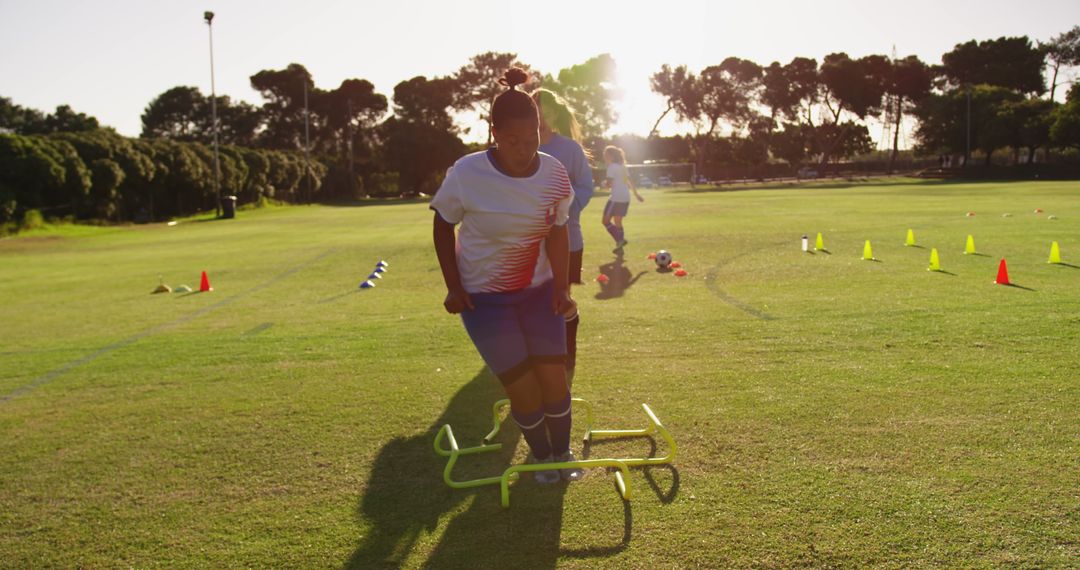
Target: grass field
[[830, 412]]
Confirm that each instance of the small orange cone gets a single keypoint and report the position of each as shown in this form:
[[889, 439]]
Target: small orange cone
[[652, 256], [675, 265], [204, 284], [680, 273], [602, 278], [1003, 274]]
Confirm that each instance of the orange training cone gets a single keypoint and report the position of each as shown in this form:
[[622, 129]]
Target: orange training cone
[[204, 284], [1003, 274]]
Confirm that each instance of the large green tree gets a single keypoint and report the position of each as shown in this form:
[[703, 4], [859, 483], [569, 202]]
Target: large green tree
[[791, 91], [184, 114], [284, 91], [909, 81], [476, 84], [672, 84], [1065, 121], [855, 86], [1009, 62], [420, 142], [943, 120], [590, 89], [1062, 51], [27, 121]]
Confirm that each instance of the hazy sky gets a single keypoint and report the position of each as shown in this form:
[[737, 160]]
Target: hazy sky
[[111, 57]]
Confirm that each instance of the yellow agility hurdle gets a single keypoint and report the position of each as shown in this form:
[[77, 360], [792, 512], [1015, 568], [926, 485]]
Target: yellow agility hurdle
[[622, 474]]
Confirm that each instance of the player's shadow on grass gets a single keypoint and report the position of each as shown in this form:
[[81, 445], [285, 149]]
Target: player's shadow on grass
[[619, 278], [405, 498]]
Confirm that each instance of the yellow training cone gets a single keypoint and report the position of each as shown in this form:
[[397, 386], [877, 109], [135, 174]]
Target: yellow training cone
[[935, 263], [910, 241], [819, 244], [867, 253], [1055, 253], [969, 249]]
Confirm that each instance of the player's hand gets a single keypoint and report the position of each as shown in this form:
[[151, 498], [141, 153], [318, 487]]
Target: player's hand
[[562, 304], [457, 300], [640, 199]]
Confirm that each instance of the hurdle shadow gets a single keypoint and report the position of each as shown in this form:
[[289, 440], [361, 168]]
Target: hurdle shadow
[[665, 496], [405, 499], [619, 278]]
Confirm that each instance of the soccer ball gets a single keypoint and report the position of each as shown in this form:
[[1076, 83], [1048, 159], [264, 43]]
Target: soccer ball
[[663, 259]]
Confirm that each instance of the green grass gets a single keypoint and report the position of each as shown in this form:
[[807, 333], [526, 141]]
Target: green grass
[[829, 411]]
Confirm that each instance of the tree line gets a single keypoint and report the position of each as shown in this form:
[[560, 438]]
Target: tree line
[[806, 111], [307, 143]]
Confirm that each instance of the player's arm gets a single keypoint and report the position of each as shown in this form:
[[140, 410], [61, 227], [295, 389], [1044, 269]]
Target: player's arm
[[633, 188], [457, 299], [557, 246]]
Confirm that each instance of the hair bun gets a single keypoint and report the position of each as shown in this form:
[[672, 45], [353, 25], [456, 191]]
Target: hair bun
[[513, 77]]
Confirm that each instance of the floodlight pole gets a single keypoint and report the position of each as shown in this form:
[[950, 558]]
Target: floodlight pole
[[307, 146], [349, 147], [967, 151], [209, 17]]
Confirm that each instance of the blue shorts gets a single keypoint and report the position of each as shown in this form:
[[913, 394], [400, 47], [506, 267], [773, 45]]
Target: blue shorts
[[616, 209], [512, 331]]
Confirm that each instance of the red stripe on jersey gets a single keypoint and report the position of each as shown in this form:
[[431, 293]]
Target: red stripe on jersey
[[516, 265]]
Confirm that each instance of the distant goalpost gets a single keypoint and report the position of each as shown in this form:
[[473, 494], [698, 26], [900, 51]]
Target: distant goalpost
[[653, 174]]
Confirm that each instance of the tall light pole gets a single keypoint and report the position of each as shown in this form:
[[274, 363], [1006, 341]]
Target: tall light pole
[[967, 146], [307, 146], [209, 17]]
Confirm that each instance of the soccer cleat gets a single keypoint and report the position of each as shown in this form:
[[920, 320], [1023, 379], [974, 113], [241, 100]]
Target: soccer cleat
[[546, 477], [623, 242], [570, 473]]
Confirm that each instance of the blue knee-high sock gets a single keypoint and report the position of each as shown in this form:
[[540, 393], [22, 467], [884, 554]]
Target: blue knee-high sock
[[571, 340], [620, 235], [612, 229], [557, 416], [532, 427]]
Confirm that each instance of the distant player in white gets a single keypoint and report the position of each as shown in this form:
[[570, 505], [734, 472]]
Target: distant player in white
[[618, 179], [506, 269]]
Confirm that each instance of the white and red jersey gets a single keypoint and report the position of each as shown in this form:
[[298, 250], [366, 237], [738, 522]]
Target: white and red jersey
[[504, 220]]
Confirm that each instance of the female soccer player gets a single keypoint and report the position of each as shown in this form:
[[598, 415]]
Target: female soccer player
[[560, 136], [506, 271], [618, 179]]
